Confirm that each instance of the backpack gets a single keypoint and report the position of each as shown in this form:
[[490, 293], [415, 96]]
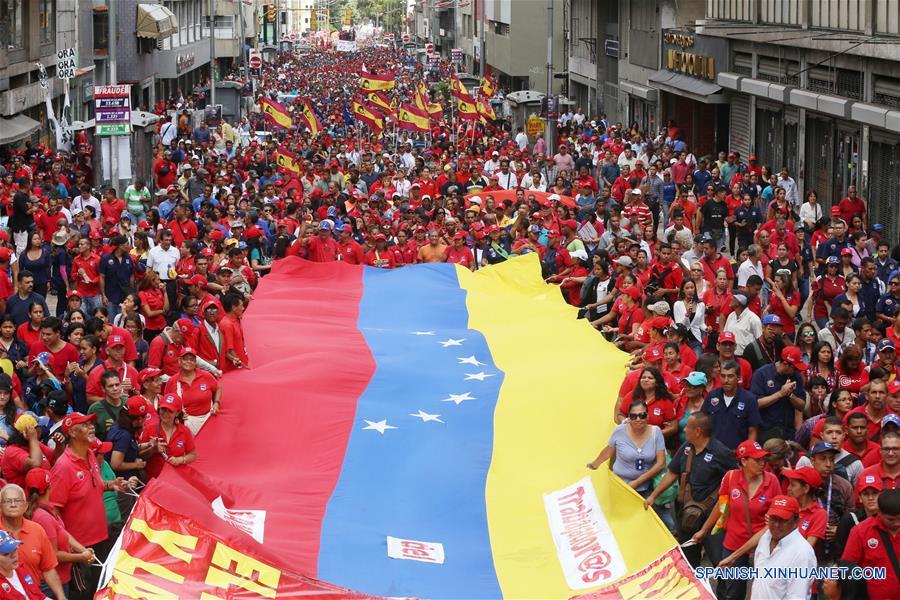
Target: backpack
[[548, 263]]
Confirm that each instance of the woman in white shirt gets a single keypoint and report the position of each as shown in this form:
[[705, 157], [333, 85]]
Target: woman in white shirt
[[810, 211], [691, 312]]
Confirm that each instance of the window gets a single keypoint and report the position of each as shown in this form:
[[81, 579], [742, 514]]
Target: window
[[47, 17], [11, 25]]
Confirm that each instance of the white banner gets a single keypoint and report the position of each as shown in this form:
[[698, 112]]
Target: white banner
[[345, 46], [585, 545], [430, 552]]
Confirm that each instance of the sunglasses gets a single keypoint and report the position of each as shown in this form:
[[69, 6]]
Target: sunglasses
[[810, 333], [637, 416]]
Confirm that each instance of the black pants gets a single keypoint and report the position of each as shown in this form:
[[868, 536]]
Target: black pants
[[733, 589]]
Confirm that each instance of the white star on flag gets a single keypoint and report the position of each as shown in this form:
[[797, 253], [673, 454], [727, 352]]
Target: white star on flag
[[426, 417], [459, 398], [469, 360], [422, 333], [478, 376], [452, 342], [378, 426]]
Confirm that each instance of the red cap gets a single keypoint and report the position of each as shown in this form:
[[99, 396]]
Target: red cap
[[187, 350], [253, 232], [784, 507], [460, 235], [172, 402], [216, 235], [147, 373], [805, 474], [101, 447], [143, 225], [76, 418], [819, 428], [73, 294], [37, 479], [835, 210], [184, 326], [632, 292], [658, 322], [653, 354], [867, 480], [5, 254], [115, 340], [727, 336], [198, 280], [846, 252], [136, 406], [794, 357], [570, 223], [750, 449]]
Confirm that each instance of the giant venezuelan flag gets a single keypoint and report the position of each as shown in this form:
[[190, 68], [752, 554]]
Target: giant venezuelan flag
[[418, 432]]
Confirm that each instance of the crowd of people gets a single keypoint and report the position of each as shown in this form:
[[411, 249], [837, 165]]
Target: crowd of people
[[761, 407]]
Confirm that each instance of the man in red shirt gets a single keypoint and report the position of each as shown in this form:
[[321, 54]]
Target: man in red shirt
[[233, 334], [87, 277], [637, 211], [182, 226], [868, 541], [321, 248], [459, 253], [875, 407], [111, 208], [62, 352], [713, 260], [852, 206], [77, 488], [115, 350], [857, 439], [348, 249], [888, 468]]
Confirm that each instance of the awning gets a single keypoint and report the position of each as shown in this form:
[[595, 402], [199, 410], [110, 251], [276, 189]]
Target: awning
[[691, 87], [155, 21], [641, 91], [17, 128]]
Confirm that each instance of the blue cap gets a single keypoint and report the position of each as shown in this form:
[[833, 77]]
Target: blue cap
[[821, 447], [339, 227], [832, 260], [877, 227], [242, 245], [44, 358], [8, 543], [772, 320], [696, 378], [890, 419], [535, 229], [325, 225], [885, 344]]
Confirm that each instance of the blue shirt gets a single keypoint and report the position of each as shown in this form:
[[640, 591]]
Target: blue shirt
[[765, 382], [18, 308], [731, 424], [117, 274]]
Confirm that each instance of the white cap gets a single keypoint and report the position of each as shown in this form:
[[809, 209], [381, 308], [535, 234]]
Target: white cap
[[475, 200], [635, 192], [554, 197]]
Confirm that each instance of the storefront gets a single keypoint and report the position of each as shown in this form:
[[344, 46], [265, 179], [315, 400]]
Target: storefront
[[775, 142], [689, 94], [182, 68], [641, 105], [832, 156]]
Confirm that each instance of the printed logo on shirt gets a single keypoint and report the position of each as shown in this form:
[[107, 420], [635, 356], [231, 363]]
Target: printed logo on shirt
[[735, 494], [844, 381], [707, 457], [111, 261], [6, 587], [714, 401], [872, 543], [80, 474], [804, 525], [202, 387], [770, 384], [180, 444], [740, 406], [762, 499], [657, 411], [28, 580]]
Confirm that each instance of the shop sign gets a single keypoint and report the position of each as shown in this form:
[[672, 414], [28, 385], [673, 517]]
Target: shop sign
[[183, 62], [691, 54]]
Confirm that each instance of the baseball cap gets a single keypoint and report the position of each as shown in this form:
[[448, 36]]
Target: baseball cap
[[43, 357], [832, 260], [8, 543], [184, 326], [171, 401], [727, 337], [37, 479], [187, 350], [101, 447], [653, 354], [136, 406], [750, 449], [784, 507], [553, 197], [888, 419], [877, 227], [869, 481], [696, 378], [821, 447], [658, 322], [740, 299], [885, 344], [76, 418], [793, 356], [25, 421], [659, 308], [772, 320], [324, 226], [625, 261], [632, 292], [115, 340], [846, 252], [805, 474]]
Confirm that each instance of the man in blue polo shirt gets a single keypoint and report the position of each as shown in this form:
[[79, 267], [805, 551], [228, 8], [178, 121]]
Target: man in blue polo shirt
[[116, 275], [778, 388], [733, 410]]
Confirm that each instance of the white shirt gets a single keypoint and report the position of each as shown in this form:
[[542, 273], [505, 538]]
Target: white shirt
[[78, 203], [508, 180], [792, 551], [697, 325], [747, 269], [214, 334], [162, 260], [810, 213], [745, 328], [522, 140]]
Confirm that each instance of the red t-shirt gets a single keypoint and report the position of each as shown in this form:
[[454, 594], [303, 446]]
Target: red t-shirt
[[181, 232], [13, 463], [27, 335], [76, 489], [776, 307], [130, 349], [877, 470], [87, 284], [93, 387], [851, 208], [322, 251], [381, 260], [180, 444], [874, 426], [734, 488], [711, 266], [660, 411], [813, 520], [112, 210], [865, 548], [61, 359], [352, 253], [154, 299], [872, 454], [163, 354], [460, 256], [196, 395]]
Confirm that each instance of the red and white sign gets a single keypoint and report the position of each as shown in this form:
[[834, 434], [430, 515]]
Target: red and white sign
[[430, 552], [254, 59], [405, 38], [429, 48], [585, 544]]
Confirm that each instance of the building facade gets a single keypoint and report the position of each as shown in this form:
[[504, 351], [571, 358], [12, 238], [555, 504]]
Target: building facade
[[31, 32], [817, 89]]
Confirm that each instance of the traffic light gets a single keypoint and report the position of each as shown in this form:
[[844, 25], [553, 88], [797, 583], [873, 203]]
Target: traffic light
[[270, 13]]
